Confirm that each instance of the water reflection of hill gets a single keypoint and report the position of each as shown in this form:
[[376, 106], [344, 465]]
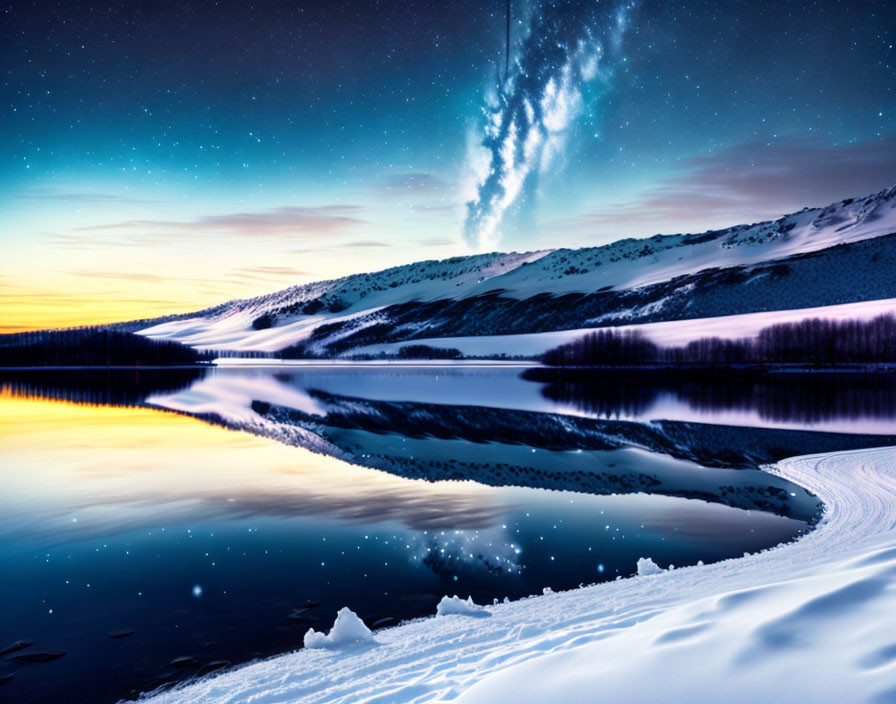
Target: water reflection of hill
[[496, 444], [786, 398]]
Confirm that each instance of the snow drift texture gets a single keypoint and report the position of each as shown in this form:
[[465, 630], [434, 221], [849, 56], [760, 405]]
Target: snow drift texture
[[454, 605], [811, 621]]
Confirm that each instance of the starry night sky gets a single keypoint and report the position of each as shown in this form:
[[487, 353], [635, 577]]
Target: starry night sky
[[157, 157]]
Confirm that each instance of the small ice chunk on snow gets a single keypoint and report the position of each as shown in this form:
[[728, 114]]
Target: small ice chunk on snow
[[547, 590], [647, 566], [347, 629], [464, 607]]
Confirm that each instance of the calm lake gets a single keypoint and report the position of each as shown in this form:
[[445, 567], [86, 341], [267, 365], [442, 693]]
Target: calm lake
[[156, 525]]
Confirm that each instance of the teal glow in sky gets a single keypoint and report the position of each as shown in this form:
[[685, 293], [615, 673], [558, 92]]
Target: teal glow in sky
[[160, 157]]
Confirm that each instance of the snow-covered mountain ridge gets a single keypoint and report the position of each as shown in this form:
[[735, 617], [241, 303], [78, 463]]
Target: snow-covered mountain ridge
[[746, 268]]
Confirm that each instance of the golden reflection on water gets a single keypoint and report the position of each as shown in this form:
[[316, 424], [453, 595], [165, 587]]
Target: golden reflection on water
[[72, 471]]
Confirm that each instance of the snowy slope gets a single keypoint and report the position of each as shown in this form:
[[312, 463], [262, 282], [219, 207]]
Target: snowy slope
[[320, 314], [301, 309], [632, 263], [808, 621], [668, 333]]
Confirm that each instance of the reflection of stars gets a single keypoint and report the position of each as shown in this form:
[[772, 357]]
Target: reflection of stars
[[449, 551]]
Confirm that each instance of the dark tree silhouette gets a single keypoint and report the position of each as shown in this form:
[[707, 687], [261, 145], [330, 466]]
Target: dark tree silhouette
[[814, 341], [604, 347], [427, 352], [92, 347]]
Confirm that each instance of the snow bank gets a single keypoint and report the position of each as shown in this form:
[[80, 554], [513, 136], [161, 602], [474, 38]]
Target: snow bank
[[812, 621], [646, 566], [464, 607], [347, 629]]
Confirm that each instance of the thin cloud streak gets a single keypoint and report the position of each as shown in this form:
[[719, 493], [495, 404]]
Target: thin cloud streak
[[84, 197], [364, 244], [274, 271], [438, 242], [322, 220], [748, 182], [410, 183], [150, 278]]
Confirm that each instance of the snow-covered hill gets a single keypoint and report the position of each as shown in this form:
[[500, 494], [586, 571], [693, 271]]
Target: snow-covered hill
[[774, 265]]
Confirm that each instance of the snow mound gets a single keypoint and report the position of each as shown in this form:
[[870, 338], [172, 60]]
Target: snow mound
[[646, 566], [454, 605], [347, 629]]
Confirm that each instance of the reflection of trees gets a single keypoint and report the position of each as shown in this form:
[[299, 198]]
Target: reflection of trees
[[607, 398], [803, 398], [110, 387]]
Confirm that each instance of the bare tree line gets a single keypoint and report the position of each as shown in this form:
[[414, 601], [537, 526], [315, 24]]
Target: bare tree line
[[813, 341], [91, 347]]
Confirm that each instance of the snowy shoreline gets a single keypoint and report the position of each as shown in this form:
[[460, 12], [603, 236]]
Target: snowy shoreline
[[336, 362], [812, 620]]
